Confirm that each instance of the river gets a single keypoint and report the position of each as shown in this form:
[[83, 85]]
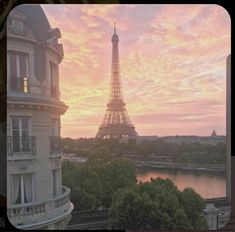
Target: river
[[208, 185]]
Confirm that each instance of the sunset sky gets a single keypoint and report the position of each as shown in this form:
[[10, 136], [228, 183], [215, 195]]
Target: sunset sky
[[172, 61]]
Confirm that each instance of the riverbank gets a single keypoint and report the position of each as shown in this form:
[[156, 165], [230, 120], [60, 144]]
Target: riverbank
[[182, 166], [212, 168]]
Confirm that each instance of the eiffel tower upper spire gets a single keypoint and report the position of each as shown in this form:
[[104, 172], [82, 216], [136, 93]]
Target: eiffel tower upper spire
[[115, 38], [114, 27], [116, 89]]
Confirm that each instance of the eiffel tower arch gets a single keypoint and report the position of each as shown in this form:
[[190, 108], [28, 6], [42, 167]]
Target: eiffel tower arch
[[116, 122]]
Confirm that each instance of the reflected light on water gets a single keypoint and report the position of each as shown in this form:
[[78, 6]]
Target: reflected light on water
[[207, 185]]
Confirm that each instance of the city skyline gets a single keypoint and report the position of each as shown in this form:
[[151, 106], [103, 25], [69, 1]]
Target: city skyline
[[172, 62]]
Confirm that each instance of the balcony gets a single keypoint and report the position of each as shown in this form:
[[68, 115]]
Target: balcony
[[21, 147], [19, 84], [41, 214], [55, 145]]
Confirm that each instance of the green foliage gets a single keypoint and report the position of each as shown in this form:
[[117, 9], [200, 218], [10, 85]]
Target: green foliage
[[180, 152], [107, 180], [86, 190], [93, 184], [131, 210], [193, 207], [157, 204], [99, 156], [113, 175]]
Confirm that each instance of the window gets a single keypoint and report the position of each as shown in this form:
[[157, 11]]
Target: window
[[54, 182], [18, 26], [55, 127], [22, 188], [18, 65], [54, 80], [21, 140], [55, 135]]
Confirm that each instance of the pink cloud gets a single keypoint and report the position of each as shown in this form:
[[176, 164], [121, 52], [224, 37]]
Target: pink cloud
[[173, 65]]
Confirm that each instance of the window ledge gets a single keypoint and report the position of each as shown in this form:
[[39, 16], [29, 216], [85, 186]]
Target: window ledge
[[56, 155], [21, 157]]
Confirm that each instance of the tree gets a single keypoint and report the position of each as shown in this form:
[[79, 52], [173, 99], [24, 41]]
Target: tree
[[86, 190], [181, 220], [193, 205], [194, 152], [157, 204], [99, 156], [133, 211], [93, 184], [116, 174]]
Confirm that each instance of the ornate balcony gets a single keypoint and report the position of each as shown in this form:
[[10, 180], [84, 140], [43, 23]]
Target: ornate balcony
[[41, 214], [55, 145], [21, 146]]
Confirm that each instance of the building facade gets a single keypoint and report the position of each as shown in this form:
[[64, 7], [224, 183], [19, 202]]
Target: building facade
[[36, 198]]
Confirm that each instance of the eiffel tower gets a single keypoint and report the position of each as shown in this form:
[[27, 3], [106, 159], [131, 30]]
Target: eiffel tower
[[116, 122]]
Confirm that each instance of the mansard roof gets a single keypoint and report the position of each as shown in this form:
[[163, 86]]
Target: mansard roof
[[35, 19]]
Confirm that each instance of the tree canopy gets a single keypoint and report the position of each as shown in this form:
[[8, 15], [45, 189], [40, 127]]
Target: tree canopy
[[157, 204], [94, 183], [194, 152], [107, 180]]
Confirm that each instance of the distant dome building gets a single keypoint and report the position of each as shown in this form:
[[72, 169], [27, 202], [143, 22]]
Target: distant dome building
[[36, 198]]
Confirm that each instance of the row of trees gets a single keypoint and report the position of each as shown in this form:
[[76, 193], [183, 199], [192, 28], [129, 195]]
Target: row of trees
[[109, 182], [181, 152]]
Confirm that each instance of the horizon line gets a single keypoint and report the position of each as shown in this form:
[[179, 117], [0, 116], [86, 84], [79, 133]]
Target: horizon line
[[88, 137]]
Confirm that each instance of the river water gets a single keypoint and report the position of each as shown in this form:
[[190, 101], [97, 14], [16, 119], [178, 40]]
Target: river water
[[208, 185]]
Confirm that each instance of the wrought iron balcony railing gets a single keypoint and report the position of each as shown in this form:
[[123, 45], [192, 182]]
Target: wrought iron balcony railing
[[21, 145], [55, 144], [20, 84]]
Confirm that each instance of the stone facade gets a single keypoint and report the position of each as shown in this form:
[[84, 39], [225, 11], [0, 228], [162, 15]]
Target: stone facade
[[36, 198]]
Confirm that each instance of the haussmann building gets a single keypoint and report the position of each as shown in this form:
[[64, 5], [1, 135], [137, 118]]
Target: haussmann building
[[36, 198]]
